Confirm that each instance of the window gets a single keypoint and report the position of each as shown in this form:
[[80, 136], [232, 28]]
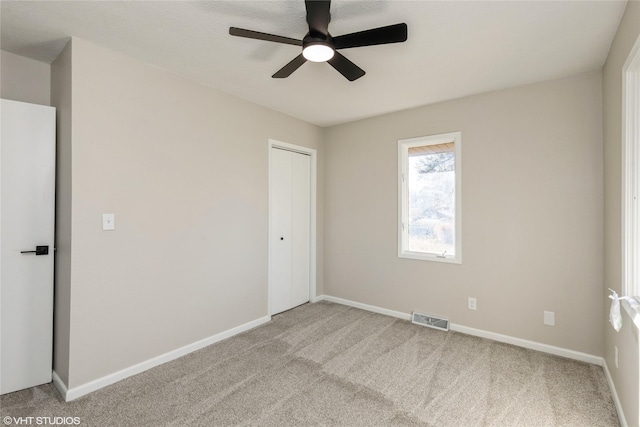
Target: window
[[631, 173], [429, 198]]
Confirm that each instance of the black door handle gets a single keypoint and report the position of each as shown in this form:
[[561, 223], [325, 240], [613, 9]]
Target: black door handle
[[40, 250]]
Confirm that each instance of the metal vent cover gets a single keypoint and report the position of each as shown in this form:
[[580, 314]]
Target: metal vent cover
[[430, 321]]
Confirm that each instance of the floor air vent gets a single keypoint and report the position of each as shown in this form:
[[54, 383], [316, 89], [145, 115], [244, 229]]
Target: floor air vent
[[430, 321]]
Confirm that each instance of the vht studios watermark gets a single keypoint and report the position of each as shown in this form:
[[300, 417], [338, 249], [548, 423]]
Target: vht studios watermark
[[41, 421]]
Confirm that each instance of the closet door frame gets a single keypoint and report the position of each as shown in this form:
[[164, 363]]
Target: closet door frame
[[312, 153]]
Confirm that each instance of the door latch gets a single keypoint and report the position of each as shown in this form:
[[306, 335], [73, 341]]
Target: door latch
[[40, 250]]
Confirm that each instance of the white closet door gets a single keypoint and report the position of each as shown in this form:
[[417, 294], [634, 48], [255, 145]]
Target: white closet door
[[300, 232], [280, 218], [289, 216]]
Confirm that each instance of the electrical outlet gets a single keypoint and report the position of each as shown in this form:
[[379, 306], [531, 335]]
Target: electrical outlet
[[615, 351], [471, 305], [549, 318]]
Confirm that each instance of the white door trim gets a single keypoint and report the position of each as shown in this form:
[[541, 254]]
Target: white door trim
[[272, 143]]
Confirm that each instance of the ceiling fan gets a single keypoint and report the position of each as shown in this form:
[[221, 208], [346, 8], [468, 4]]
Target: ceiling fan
[[319, 46]]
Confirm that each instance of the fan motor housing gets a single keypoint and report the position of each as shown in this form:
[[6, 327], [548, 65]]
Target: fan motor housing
[[317, 38]]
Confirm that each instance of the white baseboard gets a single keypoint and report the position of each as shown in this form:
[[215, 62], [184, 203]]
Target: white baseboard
[[367, 307], [614, 395], [73, 393], [545, 348], [533, 345]]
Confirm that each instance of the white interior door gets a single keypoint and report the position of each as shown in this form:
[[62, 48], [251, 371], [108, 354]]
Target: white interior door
[[27, 203], [290, 220]]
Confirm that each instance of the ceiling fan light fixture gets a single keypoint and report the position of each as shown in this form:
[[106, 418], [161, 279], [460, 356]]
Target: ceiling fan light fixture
[[318, 52], [318, 45]]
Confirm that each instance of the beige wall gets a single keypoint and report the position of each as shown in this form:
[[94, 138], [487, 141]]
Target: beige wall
[[184, 168], [23, 79], [627, 377], [531, 216]]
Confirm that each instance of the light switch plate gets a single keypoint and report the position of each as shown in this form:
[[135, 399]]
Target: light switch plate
[[108, 221]]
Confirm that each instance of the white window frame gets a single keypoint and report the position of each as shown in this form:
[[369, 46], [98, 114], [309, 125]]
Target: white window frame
[[403, 196], [631, 181]]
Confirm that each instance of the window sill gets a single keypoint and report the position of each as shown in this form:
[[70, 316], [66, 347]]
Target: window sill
[[632, 308], [429, 257]]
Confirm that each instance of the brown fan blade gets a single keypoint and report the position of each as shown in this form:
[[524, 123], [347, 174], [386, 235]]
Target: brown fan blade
[[345, 67], [290, 67], [249, 34], [391, 34]]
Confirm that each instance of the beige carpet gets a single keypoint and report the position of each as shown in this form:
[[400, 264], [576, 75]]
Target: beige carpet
[[327, 364]]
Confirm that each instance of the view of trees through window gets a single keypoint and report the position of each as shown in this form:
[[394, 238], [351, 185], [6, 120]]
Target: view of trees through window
[[431, 187]]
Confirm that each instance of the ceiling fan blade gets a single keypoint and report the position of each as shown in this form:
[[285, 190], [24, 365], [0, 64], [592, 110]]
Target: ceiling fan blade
[[290, 67], [345, 67], [263, 36], [383, 35], [318, 16]]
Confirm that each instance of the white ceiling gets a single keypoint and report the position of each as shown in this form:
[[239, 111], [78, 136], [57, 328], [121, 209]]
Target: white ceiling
[[454, 48]]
